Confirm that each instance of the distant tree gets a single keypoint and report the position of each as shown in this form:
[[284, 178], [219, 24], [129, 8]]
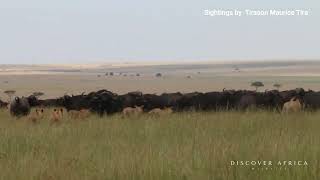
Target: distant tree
[[277, 85], [137, 74], [38, 94], [257, 84], [236, 69], [158, 75], [107, 74], [10, 93], [98, 75], [111, 73]]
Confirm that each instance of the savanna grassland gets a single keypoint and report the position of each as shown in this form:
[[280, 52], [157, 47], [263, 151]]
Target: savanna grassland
[[55, 81], [190, 145]]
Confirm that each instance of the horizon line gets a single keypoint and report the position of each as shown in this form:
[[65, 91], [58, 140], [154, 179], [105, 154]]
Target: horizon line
[[168, 62]]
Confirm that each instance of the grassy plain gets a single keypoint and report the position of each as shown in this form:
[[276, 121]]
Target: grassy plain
[[190, 145], [55, 81]]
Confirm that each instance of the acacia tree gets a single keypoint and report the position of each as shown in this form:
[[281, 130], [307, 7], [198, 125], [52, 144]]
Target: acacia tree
[[257, 84], [158, 75], [10, 93], [277, 85]]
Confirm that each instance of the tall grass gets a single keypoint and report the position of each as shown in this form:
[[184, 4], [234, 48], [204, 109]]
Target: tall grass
[[178, 146]]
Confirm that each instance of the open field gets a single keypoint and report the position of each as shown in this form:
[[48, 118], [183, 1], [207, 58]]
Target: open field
[[180, 146], [55, 81], [188, 145]]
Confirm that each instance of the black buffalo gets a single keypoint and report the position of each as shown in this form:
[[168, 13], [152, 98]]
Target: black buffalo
[[311, 100], [104, 102], [77, 102], [289, 94], [189, 101], [132, 99], [51, 102], [270, 100], [19, 107], [100, 102], [152, 101]]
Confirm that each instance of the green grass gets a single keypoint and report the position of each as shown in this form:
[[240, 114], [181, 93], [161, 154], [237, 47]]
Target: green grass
[[179, 146]]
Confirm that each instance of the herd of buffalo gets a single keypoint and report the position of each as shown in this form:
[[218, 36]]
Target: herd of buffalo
[[104, 102]]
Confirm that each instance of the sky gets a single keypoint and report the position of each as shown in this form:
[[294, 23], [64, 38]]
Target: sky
[[82, 31]]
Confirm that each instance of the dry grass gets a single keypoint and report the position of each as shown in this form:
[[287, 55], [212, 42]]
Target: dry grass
[[57, 85], [178, 146]]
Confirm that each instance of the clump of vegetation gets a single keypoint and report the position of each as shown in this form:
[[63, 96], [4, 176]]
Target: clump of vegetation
[[257, 84], [158, 75]]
